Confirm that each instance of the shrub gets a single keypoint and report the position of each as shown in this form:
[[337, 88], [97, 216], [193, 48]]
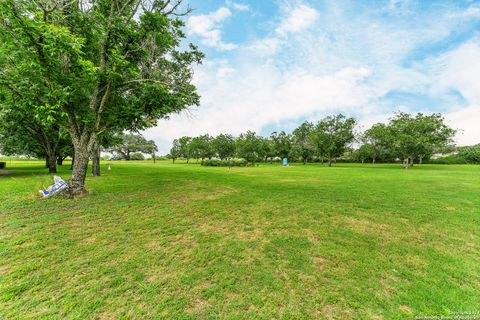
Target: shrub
[[450, 159], [470, 154], [137, 156], [224, 163]]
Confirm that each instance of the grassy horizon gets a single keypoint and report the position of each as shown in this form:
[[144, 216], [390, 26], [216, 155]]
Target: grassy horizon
[[188, 242]]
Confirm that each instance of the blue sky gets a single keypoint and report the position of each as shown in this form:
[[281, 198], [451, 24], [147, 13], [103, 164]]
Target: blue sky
[[270, 65]]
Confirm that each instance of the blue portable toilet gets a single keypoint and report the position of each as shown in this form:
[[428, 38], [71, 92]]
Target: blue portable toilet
[[285, 161]]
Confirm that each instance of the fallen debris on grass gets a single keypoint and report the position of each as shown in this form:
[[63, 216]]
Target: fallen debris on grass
[[58, 186]]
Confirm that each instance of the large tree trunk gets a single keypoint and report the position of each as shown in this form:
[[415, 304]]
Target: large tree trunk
[[96, 159], [51, 161], [60, 160], [82, 148], [79, 171], [420, 159], [329, 162]]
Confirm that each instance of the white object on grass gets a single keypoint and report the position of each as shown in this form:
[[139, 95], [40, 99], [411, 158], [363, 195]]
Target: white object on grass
[[58, 185]]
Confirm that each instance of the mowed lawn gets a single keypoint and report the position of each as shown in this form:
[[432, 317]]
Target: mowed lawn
[[269, 242]]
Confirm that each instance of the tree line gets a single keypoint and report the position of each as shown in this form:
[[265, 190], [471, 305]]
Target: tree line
[[410, 138]]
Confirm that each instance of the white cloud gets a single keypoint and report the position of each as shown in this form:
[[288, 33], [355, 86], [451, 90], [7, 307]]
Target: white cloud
[[467, 120], [265, 47], [298, 19], [459, 70], [208, 28], [238, 6], [225, 71], [264, 94], [471, 12]]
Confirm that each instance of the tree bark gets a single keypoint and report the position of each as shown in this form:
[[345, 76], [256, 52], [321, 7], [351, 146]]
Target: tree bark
[[60, 160], [329, 162], [82, 145], [79, 172], [420, 159], [73, 160], [96, 159], [51, 164]]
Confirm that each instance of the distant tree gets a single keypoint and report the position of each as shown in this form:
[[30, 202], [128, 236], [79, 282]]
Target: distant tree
[[224, 146], [378, 140], [432, 133], [249, 146], [201, 147], [282, 144], [418, 136], [137, 156], [176, 150], [184, 144], [303, 146], [266, 150], [332, 136], [151, 149], [22, 133], [132, 143], [366, 151]]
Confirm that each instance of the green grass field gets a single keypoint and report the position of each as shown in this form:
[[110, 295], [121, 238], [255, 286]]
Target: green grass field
[[189, 242]]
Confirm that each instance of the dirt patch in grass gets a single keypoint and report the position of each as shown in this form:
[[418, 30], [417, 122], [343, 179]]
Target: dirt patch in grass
[[319, 262], [197, 306], [365, 226], [201, 195], [89, 240], [405, 309], [107, 315], [332, 312], [4, 269]]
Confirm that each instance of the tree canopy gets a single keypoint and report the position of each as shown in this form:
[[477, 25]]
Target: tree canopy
[[97, 65], [303, 145], [132, 143], [333, 135]]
